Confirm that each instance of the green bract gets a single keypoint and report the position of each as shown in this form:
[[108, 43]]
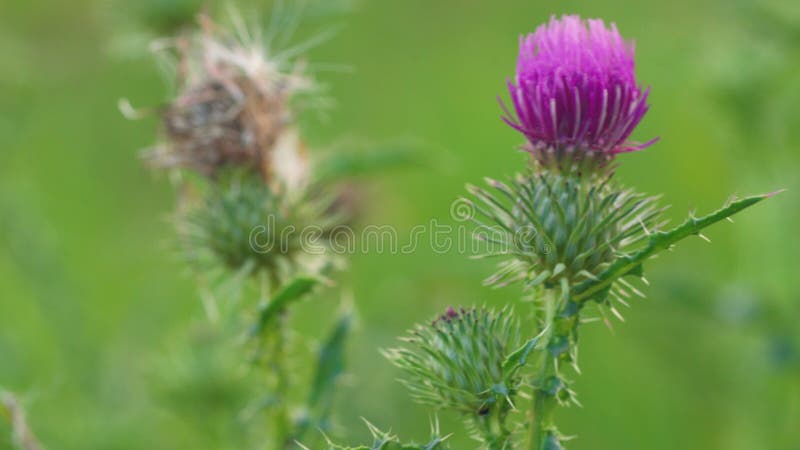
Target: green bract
[[456, 362], [246, 224], [468, 361], [559, 226]]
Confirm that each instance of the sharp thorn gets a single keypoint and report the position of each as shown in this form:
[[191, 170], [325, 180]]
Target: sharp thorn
[[774, 193]]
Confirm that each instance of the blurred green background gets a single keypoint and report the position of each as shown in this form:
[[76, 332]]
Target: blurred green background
[[92, 298]]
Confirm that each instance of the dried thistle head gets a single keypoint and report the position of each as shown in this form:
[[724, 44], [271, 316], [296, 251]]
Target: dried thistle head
[[232, 106]]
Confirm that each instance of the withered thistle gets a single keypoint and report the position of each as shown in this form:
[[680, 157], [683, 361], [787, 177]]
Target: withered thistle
[[252, 207], [232, 107], [232, 122]]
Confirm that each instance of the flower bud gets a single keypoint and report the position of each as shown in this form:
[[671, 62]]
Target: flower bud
[[457, 361], [242, 222], [557, 225]]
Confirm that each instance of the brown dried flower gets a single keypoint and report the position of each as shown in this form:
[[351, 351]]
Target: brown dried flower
[[232, 106]]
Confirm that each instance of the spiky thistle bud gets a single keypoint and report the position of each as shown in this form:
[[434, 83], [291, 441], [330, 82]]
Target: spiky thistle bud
[[556, 226], [245, 225], [231, 121], [460, 361], [575, 93]]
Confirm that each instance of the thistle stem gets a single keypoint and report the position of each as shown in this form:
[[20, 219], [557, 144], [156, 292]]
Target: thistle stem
[[548, 386], [544, 403], [281, 422], [495, 433], [22, 435], [278, 378]]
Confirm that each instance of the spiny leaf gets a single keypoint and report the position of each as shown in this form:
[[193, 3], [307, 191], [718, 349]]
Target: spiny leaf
[[637, 270], [383, 440], [329, 368], [347, 165], [658, 241], [330, 360], [291, 292], [519, 357]]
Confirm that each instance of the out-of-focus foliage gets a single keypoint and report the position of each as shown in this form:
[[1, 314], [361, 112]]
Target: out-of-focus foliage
[[93, 305]]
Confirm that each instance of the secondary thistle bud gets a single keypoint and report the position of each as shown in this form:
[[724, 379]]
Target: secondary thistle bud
[[575, 93], [231, 108], [459, 361], [242, 222]]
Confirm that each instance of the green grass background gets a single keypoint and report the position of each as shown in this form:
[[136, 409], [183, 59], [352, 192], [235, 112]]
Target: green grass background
[[92, 298]]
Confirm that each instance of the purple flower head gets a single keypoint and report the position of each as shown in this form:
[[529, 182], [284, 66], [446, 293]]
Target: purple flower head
[[575, 92]]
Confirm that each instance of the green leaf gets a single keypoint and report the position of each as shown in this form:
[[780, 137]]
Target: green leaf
[[519, 357], [329, 368], [636, 271], [658, 241], [330, 360], [386, 441], [344, 165], [291, 292]]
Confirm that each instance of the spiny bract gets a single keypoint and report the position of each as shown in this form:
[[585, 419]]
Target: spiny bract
[[457, 362], [559, 226], [246, 225]]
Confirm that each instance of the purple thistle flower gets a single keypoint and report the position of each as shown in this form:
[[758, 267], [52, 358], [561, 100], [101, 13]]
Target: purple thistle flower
[[575, 92]]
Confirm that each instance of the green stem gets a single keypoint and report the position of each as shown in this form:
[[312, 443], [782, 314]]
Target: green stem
[[271, 329], [495, 433], [563, 310], [544, 403], [278, 378], [562, 322], [281, 421]]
